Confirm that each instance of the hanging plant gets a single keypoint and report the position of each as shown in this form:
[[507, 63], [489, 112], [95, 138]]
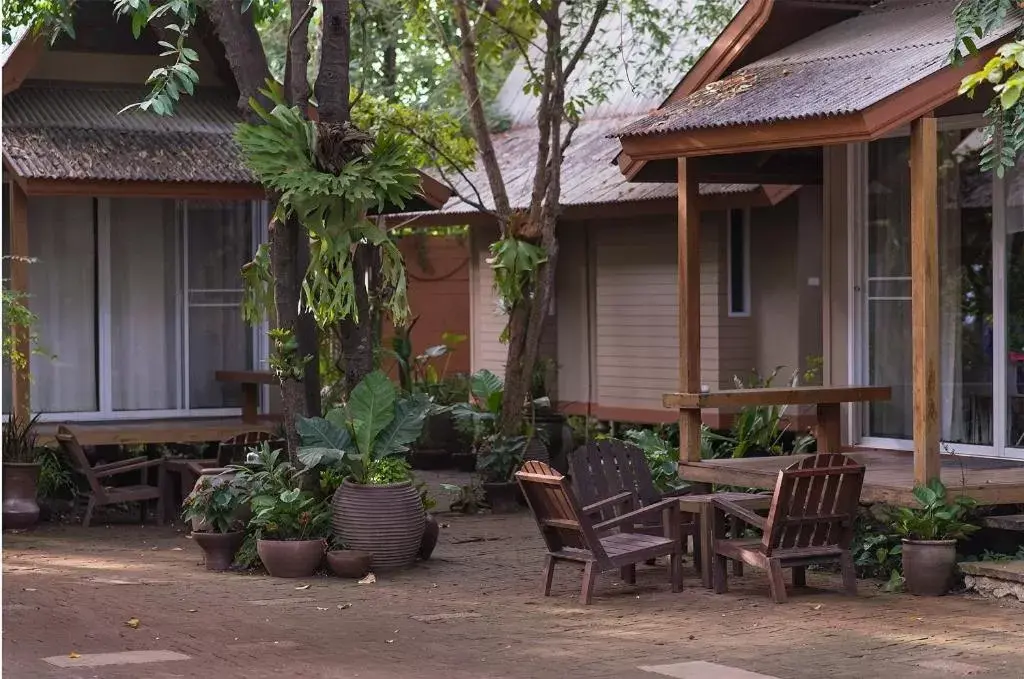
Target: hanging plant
[[515, 263], [329, 177]]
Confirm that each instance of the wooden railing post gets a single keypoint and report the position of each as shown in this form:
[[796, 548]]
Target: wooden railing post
[[924, 271], [688, 226]]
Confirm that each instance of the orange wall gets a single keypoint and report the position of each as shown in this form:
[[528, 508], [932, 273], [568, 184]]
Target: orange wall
[[438, 272]]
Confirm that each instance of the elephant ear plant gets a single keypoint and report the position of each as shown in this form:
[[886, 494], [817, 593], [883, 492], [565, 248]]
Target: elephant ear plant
[[376, 509]]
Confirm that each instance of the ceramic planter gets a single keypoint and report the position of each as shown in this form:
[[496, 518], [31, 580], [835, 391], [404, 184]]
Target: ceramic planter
[[503, 497], [219, 548], [20, 509], [431, 532], [290, 558], [386, 521], [349, 563], [928, 566]]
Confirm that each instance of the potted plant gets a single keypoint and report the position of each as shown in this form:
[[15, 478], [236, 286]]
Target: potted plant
[[214, 507], [292, 528], [21, 472], [347, 563], [501, 458], [376, 509], [930, 533]]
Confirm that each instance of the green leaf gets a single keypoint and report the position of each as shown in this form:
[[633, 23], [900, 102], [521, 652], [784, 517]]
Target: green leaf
[[317, 432], [372, 408], [485, 385], [311, 456], [410, 416]]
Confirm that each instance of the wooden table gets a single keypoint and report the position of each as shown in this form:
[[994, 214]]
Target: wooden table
[[251, 381], [827, 399], [703, 549]]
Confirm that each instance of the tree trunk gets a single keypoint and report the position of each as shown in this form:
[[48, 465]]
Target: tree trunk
[[332, 82], [357, 335], [284, 246]]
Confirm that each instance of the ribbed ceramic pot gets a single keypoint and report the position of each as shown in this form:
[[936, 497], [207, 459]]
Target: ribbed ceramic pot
[[20, 509], [386, 521]]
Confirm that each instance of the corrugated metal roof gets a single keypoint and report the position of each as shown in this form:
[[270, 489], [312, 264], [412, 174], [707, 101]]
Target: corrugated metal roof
[[56, 131], [589, 176], [842, 69]]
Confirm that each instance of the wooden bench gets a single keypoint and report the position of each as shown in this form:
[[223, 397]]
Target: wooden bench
[[251, 381]]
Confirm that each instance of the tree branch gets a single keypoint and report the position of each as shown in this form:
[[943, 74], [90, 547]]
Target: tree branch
[[296, 78], [242, 47], [332, 83], [599, 11]]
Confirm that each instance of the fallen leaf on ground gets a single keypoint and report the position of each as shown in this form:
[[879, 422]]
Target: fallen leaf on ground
[[74, 655], [302, 587], [344, 606], [818, 607], [133, 623], [193, 610], [28, 589], [177, 549], [389, 641], [368, 580], [322, 609]]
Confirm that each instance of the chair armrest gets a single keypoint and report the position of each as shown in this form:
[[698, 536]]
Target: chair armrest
[[627, 498], [120, 463], [733, 509], [637, 514], [678, 492], [129, 466]]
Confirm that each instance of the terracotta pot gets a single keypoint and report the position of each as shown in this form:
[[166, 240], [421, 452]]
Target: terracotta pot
[[386, 521], [219, 548], [430, 458], [503, 497], [464, 462], [431, 531], [928, 566], [20, 509], [290, 558], [349, 563]]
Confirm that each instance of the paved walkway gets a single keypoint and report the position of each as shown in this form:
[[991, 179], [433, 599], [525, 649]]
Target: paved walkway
[[474, 611]]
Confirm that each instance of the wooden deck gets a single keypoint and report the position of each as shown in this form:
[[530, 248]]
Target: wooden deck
[[136, 432], [889, 477]]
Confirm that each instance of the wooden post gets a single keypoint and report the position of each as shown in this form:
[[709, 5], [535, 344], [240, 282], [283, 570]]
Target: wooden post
[[18, 272], [689, 308], [924, 271]]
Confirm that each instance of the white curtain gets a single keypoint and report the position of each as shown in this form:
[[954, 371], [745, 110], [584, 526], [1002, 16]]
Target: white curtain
[[951, 413], [62, 285], [143, 299], [219, 243]]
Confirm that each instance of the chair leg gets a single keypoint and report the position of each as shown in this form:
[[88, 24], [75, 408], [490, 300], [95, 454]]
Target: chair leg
[[675, 567], [719, 573], [162, 505], [736, 531], [628, 574], [549, 574], [800, 576], [849, 573], [589, 581], [697, 555], [776, 585], [88, 512], [143, 505]]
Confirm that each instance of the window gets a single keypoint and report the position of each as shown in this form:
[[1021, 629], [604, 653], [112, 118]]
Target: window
[[739, 262]]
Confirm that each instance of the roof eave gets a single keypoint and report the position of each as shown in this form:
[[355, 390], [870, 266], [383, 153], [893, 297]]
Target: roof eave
[[899, 109]]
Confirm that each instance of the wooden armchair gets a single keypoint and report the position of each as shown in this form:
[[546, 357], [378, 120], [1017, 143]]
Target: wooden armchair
[[605, 468], [571, 534], [810, 522], [100, 495]]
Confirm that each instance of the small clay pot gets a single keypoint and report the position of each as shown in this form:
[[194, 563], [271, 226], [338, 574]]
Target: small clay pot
[[219, 548], [349, 563], [928, 566], [430, 534], [502, 497], [290, 558], [20, 509]]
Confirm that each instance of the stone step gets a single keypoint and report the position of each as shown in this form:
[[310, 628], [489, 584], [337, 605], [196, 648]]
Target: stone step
[[995, 579], [1008, 522]]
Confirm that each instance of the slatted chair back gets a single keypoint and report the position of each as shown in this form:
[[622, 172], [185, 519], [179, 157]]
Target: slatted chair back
[[815, 504], [601, 469], [233, 449], [557, 511], [76, 456]]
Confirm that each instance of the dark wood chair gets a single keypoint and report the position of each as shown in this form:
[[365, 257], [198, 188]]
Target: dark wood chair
[[810, 522], [605, 468], [571, 533], [100, 495]]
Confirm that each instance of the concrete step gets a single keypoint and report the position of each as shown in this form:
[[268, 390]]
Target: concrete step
[[1008, 522], [996, 579]]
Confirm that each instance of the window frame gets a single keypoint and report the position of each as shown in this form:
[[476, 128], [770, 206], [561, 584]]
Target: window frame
[[734, 310]]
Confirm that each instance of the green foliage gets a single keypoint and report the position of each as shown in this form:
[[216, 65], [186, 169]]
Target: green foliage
[[937, 518], [19, 438], [293, 514], [427, 372], [466, 499], [877, 552], [661, 456], [285, 360], [332, 207], [56, 477], [215, 504], [501, 457], [362, 437], [515, 263], [479, 417], [17, 319]]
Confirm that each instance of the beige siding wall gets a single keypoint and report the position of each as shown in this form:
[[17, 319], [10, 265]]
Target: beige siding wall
[[576, 345], [775, 287], [487, 320]]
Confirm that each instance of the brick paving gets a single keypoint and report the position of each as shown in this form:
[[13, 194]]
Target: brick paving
[[473, 611]]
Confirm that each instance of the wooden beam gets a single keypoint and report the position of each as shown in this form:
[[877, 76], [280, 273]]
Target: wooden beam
[[688, 227], [924, 273], [147, 189], [20, 382], [809, 395]]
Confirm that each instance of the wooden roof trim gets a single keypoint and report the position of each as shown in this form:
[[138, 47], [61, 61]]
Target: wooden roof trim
[[890, 113], [22, 59]]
